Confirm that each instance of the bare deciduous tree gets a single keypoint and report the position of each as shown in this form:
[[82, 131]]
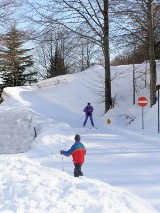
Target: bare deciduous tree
[[89, 20], [7, 9], [140, 29]]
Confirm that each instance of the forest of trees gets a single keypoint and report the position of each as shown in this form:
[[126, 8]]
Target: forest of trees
[[66, 36]]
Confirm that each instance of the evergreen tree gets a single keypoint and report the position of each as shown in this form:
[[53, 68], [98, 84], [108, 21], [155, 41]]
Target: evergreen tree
[[57, 65], [14, 59]]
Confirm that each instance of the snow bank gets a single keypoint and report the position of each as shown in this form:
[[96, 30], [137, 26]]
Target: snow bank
[[28, 187], [16, 130]]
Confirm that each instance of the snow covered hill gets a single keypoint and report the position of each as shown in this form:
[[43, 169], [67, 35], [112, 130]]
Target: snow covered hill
[[121, 154]]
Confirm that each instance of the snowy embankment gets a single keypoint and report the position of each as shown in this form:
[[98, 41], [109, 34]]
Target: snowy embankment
[[28, 186], [16, 130]]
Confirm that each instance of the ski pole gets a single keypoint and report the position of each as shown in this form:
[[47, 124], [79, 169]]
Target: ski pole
[[62, 164], [79, 121]]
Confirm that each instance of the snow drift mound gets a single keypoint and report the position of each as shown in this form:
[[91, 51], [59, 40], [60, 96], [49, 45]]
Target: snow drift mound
[[31, 188], [16, 131]]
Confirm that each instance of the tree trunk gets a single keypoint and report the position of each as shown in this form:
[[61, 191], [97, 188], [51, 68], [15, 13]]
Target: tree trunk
[[88, 59], [151, 56], [108, 98]]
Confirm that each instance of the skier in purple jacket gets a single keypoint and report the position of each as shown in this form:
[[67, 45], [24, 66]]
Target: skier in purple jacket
[[88, 110]]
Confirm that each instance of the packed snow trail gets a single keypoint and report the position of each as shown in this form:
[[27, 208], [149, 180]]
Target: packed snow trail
[[27, 97], [112, 158]]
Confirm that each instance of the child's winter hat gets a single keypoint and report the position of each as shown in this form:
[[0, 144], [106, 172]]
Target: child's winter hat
[[77, 137]]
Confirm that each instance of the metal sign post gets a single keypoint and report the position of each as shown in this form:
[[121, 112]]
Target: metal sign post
[[158, 88], [158, 110], [142, 119], [142, 101]]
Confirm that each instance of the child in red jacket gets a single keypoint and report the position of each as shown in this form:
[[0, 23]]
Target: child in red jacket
[[77, 151]]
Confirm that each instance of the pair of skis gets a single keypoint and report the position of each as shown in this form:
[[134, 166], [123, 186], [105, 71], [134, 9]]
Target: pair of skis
[[90, 127]]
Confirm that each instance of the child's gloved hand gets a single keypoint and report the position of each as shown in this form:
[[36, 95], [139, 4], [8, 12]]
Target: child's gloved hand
[[61, 152]]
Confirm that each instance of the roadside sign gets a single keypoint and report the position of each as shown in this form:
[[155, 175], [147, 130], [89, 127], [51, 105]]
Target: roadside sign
[[142, 101], [108, 121]]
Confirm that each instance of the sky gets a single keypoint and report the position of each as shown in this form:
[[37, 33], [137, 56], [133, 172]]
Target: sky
[[121, 169]]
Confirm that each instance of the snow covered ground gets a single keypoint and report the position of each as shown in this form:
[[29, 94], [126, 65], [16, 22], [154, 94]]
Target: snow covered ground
[[122, 162]]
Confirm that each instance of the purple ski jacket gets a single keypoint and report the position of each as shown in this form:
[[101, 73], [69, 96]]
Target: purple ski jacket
[[88, 109]]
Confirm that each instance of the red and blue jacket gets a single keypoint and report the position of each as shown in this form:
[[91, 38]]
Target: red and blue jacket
[[77, 151]]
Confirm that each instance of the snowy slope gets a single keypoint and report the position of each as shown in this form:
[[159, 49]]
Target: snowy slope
[[118, 154]]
